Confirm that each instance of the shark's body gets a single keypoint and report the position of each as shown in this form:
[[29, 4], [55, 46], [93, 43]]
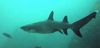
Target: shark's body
[[51, 26]]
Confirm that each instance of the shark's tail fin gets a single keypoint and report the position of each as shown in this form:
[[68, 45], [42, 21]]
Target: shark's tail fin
[[80, 23]]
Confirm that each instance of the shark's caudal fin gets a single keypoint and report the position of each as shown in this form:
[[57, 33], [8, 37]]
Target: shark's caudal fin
[[80, 23], [65, 20]]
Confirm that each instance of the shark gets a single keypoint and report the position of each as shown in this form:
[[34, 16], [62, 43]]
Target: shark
[[49, 25]]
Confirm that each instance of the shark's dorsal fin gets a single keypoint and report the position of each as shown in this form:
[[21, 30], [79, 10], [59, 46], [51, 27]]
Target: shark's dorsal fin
[[51, 16], [65, 20]]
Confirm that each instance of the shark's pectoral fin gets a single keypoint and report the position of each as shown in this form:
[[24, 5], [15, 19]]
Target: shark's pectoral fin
[[51, 16], [57, 30]]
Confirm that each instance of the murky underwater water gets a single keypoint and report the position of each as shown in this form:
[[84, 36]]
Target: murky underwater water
[[17, 13]]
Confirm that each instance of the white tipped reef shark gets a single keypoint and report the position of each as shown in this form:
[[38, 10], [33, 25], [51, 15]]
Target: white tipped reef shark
[[51, 26]]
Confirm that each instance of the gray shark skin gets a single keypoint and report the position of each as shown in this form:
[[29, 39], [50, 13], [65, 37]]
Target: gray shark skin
[[51, 26]]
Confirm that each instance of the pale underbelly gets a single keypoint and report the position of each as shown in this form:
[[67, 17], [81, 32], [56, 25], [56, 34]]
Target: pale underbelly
[[41, 32]]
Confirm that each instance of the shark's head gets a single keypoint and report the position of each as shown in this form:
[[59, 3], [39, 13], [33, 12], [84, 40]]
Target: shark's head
[[36, 27], [27, 28], [32, 28]]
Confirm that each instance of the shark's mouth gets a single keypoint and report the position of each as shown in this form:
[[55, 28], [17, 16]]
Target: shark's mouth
[[24, 28]]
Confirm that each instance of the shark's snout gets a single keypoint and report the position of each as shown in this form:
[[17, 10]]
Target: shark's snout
[[23, 28], [26, 28]]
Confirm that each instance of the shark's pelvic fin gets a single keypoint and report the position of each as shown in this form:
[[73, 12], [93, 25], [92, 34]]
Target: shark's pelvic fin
[[65, 31], [51, 16], [80, 23], [65, 20]]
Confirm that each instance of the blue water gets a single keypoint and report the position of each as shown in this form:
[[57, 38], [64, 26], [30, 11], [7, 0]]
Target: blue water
[[16, 13]]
